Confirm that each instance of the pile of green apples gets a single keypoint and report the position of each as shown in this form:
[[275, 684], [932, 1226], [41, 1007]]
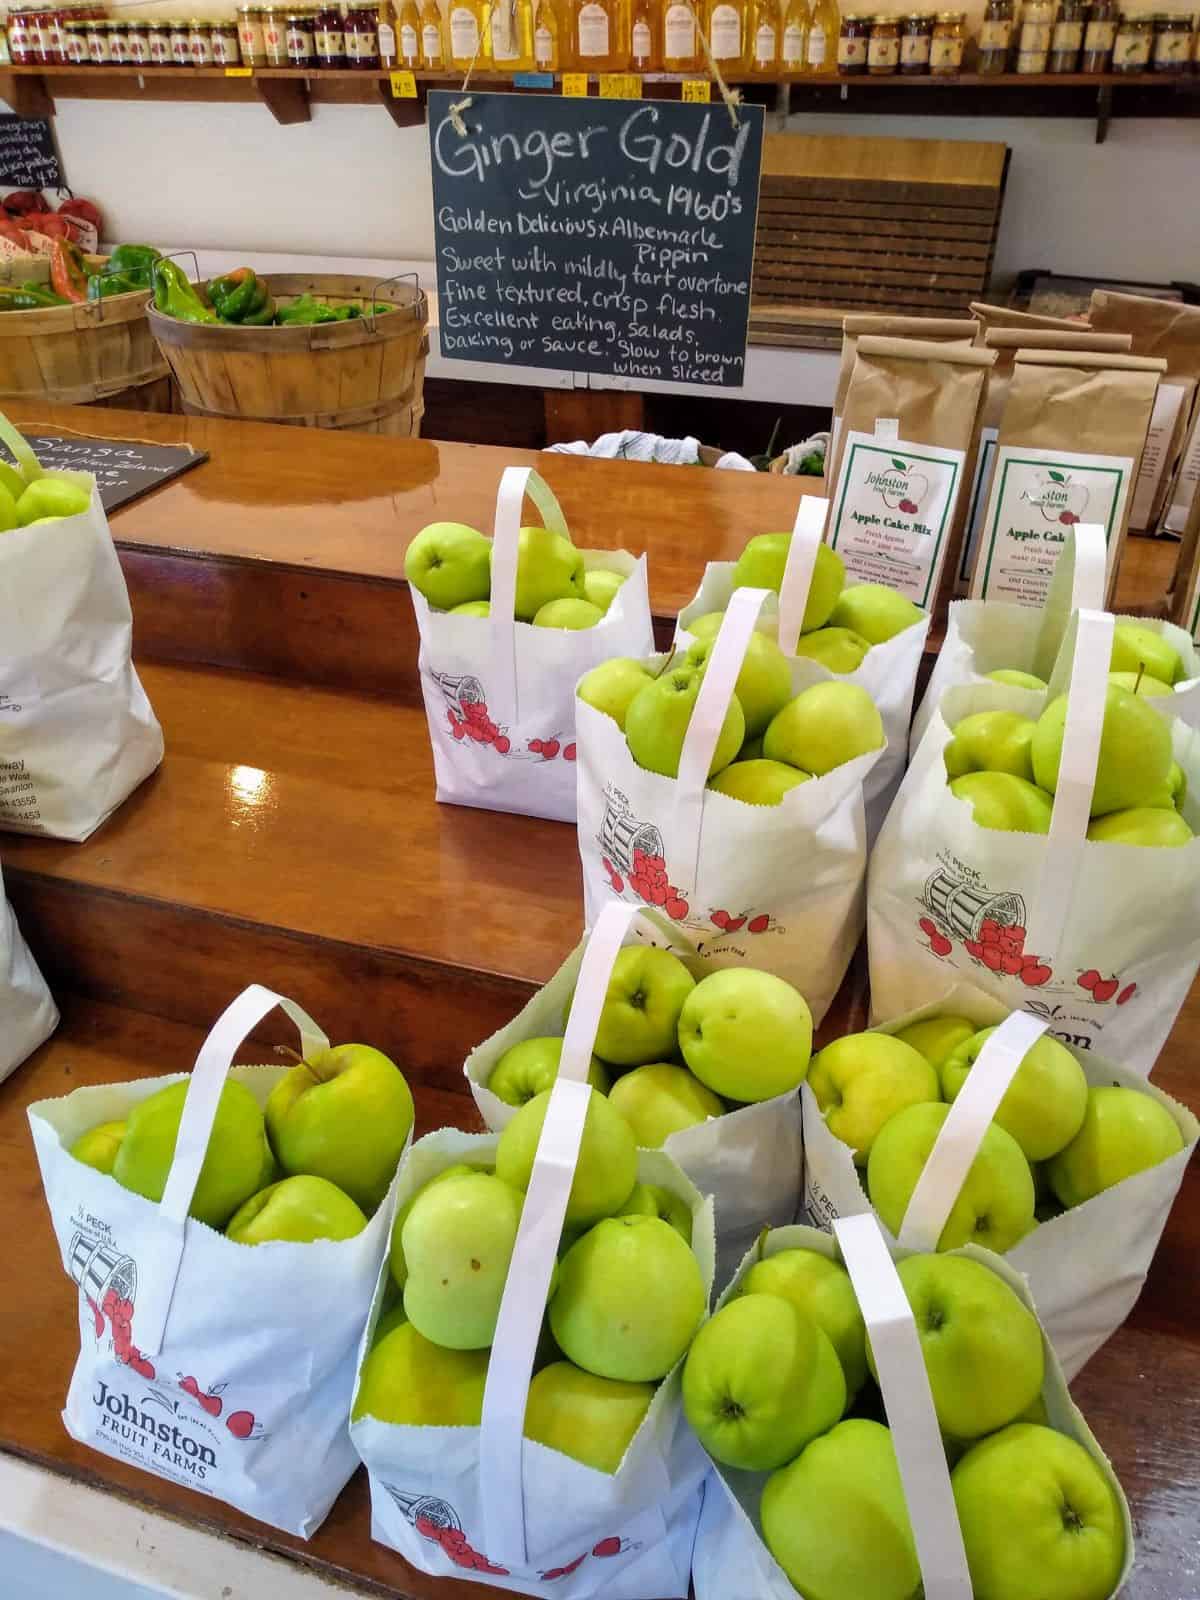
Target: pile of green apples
[[451, 565], [1054, 1143], [25, 502], [780, 1380], [671, 1052], [1142, 661], [313, 1165], [626, 1294]]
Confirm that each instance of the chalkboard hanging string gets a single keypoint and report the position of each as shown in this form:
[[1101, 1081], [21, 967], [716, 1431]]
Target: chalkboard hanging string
[[459, 106], [731, 97]]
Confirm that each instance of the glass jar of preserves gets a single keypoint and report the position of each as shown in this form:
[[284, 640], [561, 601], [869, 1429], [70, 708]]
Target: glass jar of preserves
[[883, 48], [200, 41], [852, 43], [298, 38], [97, 42], [226, 48], [1134, 43], [1033, 43], [75, 43], [51, 20], [1172, 43], [21, 47], [118, 44], [274, 32], [327, 36], [181, 48], [915, 35], [1066, 39], [250, 38], [1099, 36], [361, 31], [158, 35], [948, 44], [995, 37], [137, 43]]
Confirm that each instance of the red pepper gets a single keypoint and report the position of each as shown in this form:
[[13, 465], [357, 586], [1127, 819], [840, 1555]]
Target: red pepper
[[68, 275]]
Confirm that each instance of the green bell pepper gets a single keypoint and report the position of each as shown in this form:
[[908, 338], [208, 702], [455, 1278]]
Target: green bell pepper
[[29, 297], [102, 284], [264, 314], [236, 295], [133, 258], [175, 296]]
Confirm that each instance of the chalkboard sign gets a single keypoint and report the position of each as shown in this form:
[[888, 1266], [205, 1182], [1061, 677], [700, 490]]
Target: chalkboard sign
[[610, 236], [28, 158], [124, 468]]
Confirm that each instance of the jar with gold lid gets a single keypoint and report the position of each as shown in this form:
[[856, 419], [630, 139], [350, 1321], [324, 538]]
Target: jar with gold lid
[[361, 30], [328, 40], [852, 43], [274, 32], [200, 41], [916, 32], [298, 37], [226, 47], [1066, 38], [1099, 36], [250, 36], [181, 47], [995, 38], [75, 44], [1134, 44], [948, 43], [137, 43], [118, 44], [1172, 44], [883, 48], [21, 47], [158, 35], [1033, 41]]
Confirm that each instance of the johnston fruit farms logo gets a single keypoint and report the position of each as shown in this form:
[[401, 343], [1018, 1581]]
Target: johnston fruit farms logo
[[901, 487], [1059, 497]]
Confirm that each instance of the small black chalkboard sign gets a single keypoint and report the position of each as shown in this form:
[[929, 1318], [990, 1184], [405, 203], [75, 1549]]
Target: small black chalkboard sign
[[124, 468], [612, 236], [28, 157]]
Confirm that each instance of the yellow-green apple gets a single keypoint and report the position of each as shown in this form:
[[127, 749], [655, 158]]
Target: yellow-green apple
[[588, 1418], [991, 741], [760, 1380], [600, 585], [820, 1288], [449, 563], [761, 566], [839, 649], [875, 612], [99, 1145], [660, 1099], [1044, 1104], [1006, 803], [1176, 784], [611, 686], [995, 1204], [981, 1344], [836, 1521], [758, 783], [605, 1172], [396, 1261], [1038, 1517], [409, 1379], [472, 608], [639, 1020], [1016, 679], [862, 1080], [1135, 751], [706, 626], [50, 498], [1141, 683], [1136, 648], [825, 726], [764, 684], [746, 1034], [234, 1163], [1142, 825], [299, 1209], [8, 501], [530, 1067], [935, 1037], [11, 480], [393, 1317], [458, 1239], [344, 1115], [548, 568], [628, 1300], [658, 716], [1123, 1132], [569, 613], [652, 1200]]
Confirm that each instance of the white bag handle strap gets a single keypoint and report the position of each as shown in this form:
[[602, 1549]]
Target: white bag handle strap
[[1062, 859], [908, 1402], [195, 1129], [957, 1145], [798, 570], [1077, 584], [515, 484]]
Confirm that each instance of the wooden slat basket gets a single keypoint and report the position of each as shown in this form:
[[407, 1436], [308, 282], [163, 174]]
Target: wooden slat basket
[[366, 375]]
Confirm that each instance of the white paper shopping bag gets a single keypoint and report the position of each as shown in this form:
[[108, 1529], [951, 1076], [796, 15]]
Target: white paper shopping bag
[[224, 1367], [500, 694], [28, 1015]]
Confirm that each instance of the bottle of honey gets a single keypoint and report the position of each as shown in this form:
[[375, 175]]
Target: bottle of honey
[[763, 41], [680, 38], [725, 26], [510, 27], [794, 45], [467, 40], [408, 34], [547, 43], [433, 55], [825, 24], [600, 35], [643, 46]]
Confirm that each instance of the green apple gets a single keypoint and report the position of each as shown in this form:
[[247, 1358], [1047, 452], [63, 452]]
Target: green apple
[[639, 1020], [530, 1067], [863, 1080], [1135, 751], [472, 608], [408, 1379], [764, 684], [234, 1163], [611, 686], [1177, 784], [661, 1099], [298, 1209], [1123, 1132], [839, 649], [345, 1115], [658, 716], [935, 1037], [1016, 679], [1006, 803], [1038, 1517], [1141, 825], [50, 498], [758, 783], [568, 613], [396, 1261], [1141, 683], [825, 726], [1136, 648], [99, 1145], [8, 502], [600, 586], [995, 1204], [746, 1034], [458, 1240], [991, 741], [548, 568], [836, 1521], [449, 563], [706, 626], [762, 563], [588, 1418], [629, 1299], [821, 1289], [11, 480], [760, 1380], [982, 1346], [652, 1200], [875, 612], [605, 1172], [1044, 1104]]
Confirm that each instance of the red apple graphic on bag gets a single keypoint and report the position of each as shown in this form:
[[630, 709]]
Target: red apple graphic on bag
[[907, 498], [1059, 498]]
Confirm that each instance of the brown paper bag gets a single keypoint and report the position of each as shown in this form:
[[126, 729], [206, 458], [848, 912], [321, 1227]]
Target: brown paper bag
[[898, 471], [990, 317], [947, 330], [1070, 440]]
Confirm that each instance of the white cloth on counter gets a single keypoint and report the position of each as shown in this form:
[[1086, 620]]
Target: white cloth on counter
[[630, 444], [796, 453]]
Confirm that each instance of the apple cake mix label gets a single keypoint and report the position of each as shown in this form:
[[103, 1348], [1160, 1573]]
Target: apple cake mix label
[[1036, 497], [892, 511]]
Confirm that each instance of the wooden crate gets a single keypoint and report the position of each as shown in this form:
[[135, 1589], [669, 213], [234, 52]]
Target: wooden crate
[[876, 225]]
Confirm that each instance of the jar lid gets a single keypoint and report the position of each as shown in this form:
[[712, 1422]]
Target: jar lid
[[299, 14], [952, 16], [919, 16], [249, 11], [885, 17]]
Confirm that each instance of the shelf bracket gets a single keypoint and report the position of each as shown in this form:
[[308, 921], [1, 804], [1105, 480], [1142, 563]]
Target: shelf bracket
[[1103, 111], [404, 113], [783, 105], [287, 98], [28, 96]]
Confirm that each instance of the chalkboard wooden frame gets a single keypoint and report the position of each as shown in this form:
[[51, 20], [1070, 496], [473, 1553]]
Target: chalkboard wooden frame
[[29, 157]]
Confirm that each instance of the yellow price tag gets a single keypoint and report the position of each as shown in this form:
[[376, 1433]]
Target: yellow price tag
[[697, 90], [404, 86], [575, 84], [620, 86], [239, 72]]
